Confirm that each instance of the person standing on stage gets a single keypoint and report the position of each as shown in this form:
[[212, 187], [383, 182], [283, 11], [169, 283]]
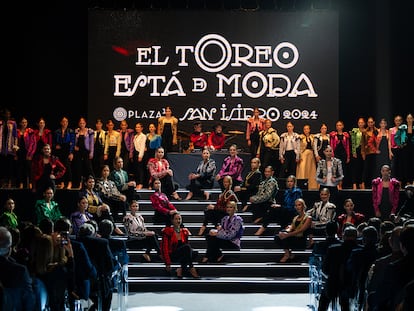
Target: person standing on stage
[[340, 142], [167, 129], [289, 151], [357, 162], [268, 143], [405, 139], [395, 153], [369, 151], [306, 168], [255, 124]]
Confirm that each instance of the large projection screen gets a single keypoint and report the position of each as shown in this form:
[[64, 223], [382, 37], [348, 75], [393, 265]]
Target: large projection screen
[[213, 66]]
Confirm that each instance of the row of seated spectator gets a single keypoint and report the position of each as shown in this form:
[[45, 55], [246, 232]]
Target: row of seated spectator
[[369, 268]]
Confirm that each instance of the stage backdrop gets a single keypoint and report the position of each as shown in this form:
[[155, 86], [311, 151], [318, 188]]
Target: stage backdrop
[[214, 67]]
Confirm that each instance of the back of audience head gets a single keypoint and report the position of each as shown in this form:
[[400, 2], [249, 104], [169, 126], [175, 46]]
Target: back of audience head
[[386, 226], [87, 230], [5, 241], [350, 233], [394, 239], [375, 222], [407, 240], [63, 224], [106, 227], [370, 236], [46, 225], [331, 228]]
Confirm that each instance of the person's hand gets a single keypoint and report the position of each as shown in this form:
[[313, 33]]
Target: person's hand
[[172, 212], [170, 172], [282, 160], [132, 183], [282, 235], [213, 232], [378, 214], [325, 180], [168, 268], [218, 177], [333, 179], [237, 188], [123, 197], [354, 155], [149, 233], [210, 206]]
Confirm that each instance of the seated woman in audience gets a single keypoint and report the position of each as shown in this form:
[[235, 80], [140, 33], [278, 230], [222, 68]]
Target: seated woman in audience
[[8, 217], [349, 217], [175, 247], [163, 208], [109, 193], [81, 215], [159, 168], [46, 168], [47, 208], [322, 212], [385, 194], [232, 166], [294, 236], [225, 236], [96, 206], [215, 212], [139, 236], [203, 177], [250, 184]]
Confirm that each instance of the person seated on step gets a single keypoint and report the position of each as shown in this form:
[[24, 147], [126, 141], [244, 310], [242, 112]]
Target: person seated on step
[[121, 179], [293, 237], [96, 206], [215, 212], [203, 177], [109, 192], [283, 214], [175, 247], [159, 168], [232, 166], [250, 184], [322, 212], [163, 208], [139, 237], [226, 236], [264, 199]]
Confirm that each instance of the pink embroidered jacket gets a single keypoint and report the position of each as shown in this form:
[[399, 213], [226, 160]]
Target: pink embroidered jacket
[[394, 191]]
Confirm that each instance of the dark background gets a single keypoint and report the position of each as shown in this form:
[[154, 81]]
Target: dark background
[[46, 44]]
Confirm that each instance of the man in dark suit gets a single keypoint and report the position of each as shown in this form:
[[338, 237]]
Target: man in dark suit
[[14, 278], [117, 246], [103, 260], [334, 267], [84, 269]]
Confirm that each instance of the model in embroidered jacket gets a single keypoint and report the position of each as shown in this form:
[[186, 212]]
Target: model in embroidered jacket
[[232, 166], [268, 144], [255, 124], [385, 194], [167, 129], [159, 168], [289, 151], [357, 163], [27, 147], [163, 208], [46, 168], [215, 212], [175, 247], [203, 177], [63, 146], [405, 140], [226, 236]]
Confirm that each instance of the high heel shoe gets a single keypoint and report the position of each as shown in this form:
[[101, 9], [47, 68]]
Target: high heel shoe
[[194, 273], [179, 273], [260, 231]]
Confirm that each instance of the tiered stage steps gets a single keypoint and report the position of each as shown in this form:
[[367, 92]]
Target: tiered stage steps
[[255, 268]]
